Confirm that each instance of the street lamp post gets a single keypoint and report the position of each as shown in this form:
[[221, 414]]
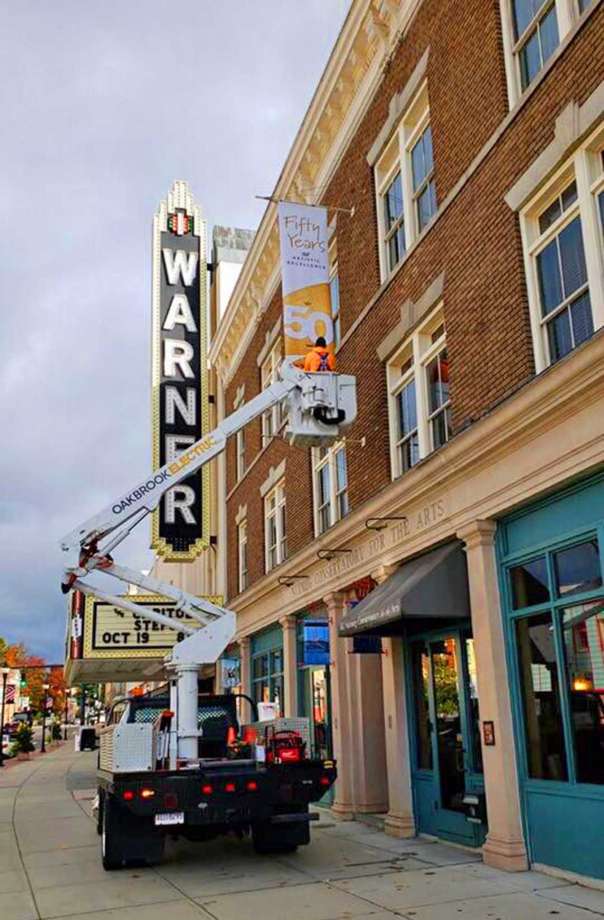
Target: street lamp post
[[43, 745], [5, 673], [65, 714]]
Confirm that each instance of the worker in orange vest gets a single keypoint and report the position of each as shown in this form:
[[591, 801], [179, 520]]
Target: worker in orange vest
[[319, 359]]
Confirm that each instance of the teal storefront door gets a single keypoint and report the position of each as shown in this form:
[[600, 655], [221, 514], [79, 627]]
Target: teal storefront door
[[552, 583], [444, 731], [314, 687]]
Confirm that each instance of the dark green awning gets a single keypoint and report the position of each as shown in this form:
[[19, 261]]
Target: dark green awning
[[432, 587]]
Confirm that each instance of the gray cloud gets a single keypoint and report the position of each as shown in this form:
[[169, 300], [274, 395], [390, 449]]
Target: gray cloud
[[104, 103]]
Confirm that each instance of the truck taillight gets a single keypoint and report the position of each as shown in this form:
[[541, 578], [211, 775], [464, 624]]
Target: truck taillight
[[207, 789], [147, 793], [127, 795], [251, 785], [290, 755], [230, 787]]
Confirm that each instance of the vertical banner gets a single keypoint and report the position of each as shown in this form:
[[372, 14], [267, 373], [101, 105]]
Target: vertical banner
[[304, 277], [180, 401]]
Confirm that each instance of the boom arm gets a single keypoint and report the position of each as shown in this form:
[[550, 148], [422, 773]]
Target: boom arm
[[318, 407]]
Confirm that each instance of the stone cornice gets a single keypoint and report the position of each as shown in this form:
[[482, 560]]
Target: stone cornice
[[368, 37], [554, 397]]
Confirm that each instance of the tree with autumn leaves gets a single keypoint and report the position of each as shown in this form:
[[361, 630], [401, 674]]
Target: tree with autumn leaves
[[35, 674]]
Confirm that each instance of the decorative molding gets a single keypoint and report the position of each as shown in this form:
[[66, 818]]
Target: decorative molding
[[572, 125], [411, 315], [344, 91], [275, 474]]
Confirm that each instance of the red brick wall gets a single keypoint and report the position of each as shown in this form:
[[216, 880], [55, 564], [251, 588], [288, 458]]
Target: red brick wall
[[475, 242]]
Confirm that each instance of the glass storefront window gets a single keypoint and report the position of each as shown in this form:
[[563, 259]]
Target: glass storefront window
[[421, 679], [529, 583], [538, 671], [474, 707], [578, 569], [583, 630], [267, 677]]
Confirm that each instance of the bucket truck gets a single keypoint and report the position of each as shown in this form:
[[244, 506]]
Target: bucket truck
[[174, 762]]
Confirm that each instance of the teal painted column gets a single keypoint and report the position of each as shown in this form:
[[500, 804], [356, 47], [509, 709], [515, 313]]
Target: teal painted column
[[504, 846]]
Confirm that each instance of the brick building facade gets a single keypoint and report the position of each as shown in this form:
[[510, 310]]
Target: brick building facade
[[459, 148]]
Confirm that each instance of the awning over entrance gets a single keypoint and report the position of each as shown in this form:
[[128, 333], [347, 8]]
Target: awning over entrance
[[432, 587]]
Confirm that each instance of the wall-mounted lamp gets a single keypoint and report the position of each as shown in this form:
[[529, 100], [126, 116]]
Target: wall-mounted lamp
[[381, 523], [331, 553]]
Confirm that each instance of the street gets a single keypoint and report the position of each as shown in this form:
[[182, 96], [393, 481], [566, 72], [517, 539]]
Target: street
[[50, 867]]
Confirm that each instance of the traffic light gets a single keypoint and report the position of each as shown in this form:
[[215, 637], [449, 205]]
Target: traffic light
[[22, 681]]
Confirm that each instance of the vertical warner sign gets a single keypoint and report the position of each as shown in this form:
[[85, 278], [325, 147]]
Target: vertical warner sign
[[304, 277], [179, 370]]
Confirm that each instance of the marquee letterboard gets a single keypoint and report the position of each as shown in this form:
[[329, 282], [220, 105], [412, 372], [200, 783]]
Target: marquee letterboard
[[180, 403]]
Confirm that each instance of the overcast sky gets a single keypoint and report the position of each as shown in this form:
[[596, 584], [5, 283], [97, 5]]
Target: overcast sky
[[103, 104]]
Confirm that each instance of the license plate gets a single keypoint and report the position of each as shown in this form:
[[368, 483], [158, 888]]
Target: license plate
[[174, 817]]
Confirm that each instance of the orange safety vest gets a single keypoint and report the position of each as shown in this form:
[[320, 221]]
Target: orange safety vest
[[319, 359]]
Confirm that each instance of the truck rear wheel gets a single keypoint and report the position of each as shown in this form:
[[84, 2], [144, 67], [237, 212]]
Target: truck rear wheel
[[127, 840]]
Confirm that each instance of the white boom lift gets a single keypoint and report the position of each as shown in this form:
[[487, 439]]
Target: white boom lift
[[319, 406]]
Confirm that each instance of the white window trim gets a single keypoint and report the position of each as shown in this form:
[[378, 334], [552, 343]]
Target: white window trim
[[240, 454], [239, 437], [333, 272], [420, 346], [278, 493], [404, 137], [268, 375], [582, 166], [317, 463], [567, 15], [242, 574]]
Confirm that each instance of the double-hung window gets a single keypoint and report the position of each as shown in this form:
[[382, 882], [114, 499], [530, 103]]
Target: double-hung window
[[334, 290], [536, 36], [330, 480], [424, 188], [405, 399], [532, 31], [275, 530], [436, 370], [405, 183], [394, 221], [271, 419], [563, 237], [240, 446], [242, 570], [418, 384], [239, 439]]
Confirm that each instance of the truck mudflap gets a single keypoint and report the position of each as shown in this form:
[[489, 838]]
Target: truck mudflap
[[289, 819]]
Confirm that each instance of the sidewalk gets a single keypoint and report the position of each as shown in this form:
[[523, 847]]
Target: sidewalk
[[50, 867]]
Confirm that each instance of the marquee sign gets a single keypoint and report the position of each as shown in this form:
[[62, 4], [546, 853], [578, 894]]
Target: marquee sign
[[114, 644], [180, 401]]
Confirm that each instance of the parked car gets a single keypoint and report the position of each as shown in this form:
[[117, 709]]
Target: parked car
[[10, 728]]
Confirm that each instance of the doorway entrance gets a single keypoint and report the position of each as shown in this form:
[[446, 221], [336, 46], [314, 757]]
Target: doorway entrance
[[446, 753]]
